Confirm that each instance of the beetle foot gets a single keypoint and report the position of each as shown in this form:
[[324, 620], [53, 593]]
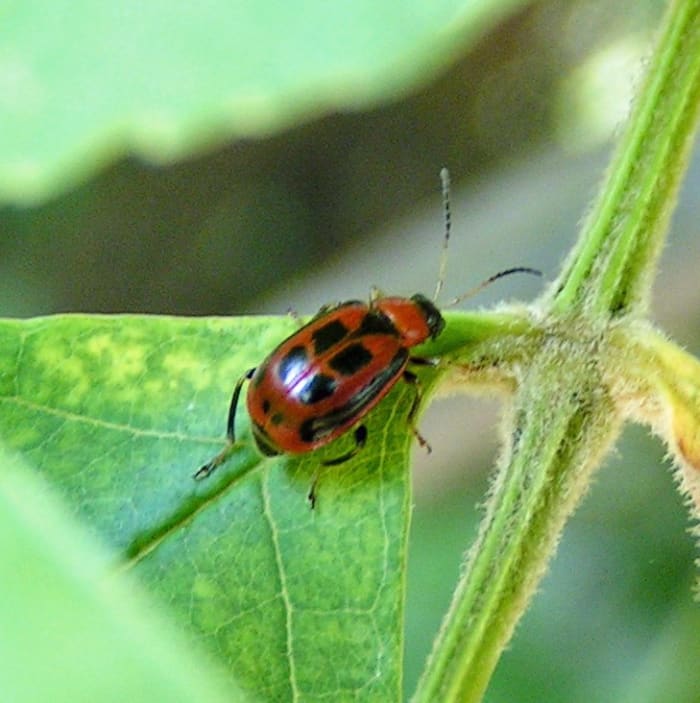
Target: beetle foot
[[311, 496], [207, 469], [422, 440]]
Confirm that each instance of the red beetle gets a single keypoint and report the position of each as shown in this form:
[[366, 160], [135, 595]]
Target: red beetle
[[322, 380], [326, 377]]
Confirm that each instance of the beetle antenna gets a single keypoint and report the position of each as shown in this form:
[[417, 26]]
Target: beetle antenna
[[442, 271], [490, 280]]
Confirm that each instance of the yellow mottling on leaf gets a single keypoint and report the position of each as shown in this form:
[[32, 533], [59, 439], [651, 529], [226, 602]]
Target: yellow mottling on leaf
[[127, 363], [99, 344], [188, 368], [155, 386], [79, 381], [58, 357], [76, 383]]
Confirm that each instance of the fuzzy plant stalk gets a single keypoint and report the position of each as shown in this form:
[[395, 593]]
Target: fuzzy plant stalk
[[587, 361]]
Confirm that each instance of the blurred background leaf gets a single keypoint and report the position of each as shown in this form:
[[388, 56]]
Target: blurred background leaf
[[319, 212], [164, 79], [82, 635]]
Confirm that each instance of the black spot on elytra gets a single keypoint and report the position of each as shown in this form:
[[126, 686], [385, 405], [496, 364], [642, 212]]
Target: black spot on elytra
[[375, 322], [263, 442], [351, 359], [307, 432], [276, 418], [292, 365], [266, 406], [317, 388], [316, 428], [329, 335], [311, 431]]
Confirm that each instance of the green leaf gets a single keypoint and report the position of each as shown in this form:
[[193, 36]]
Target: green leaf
[[164, 79], [70, 633], [118, 412]]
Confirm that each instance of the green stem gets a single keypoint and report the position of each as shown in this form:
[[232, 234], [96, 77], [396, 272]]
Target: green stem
[[610, 268], [565, 416], [542, 477]]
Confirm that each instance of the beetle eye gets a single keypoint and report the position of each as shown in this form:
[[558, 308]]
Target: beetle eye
[[433, 317]]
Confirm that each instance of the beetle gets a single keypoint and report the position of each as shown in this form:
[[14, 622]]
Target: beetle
[[324, 379]]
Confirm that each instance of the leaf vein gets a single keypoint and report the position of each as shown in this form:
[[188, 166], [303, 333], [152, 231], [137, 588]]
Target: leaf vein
[[284, 591], [106, 424]]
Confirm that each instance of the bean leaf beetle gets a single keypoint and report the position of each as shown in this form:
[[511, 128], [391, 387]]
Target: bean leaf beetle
[[324, 379]]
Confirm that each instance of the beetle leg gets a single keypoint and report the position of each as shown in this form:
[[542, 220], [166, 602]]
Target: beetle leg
[[414, 381], [360, 435], [221, 457], [231, 422], [324, 310], [423, 361], [311, 495], [374, 294], [294, 314]]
